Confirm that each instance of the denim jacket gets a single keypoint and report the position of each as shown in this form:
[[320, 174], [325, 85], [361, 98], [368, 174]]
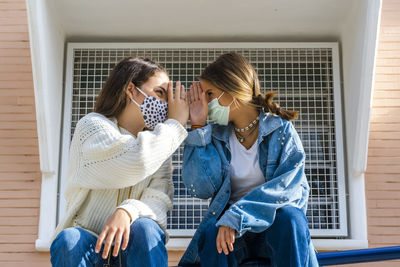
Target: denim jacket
[[206, 174]]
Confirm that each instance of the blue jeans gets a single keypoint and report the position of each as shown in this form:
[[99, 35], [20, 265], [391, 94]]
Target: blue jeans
[[146, 247], [285, 243]]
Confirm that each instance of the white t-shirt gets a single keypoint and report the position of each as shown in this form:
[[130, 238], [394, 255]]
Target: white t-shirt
[[246, 173]]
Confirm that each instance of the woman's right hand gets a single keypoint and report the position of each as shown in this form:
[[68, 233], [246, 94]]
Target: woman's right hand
[[178, 107], [225, 239], [116, 227], [198, 105]]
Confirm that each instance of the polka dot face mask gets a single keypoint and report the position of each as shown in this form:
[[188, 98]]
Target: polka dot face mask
[[154, 110]]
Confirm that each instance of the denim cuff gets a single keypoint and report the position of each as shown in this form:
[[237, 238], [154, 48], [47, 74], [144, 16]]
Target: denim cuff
[[199, 137], [230, 219]]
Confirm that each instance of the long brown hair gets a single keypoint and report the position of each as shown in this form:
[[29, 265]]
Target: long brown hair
[[233, 73], [112, 97]]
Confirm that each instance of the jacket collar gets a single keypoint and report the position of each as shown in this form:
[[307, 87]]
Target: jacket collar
[[268, 124]]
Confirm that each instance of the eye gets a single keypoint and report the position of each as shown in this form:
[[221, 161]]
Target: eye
[[160, 92]]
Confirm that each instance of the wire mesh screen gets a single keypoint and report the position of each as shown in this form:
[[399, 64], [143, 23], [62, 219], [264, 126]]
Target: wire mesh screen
[[303, 79]]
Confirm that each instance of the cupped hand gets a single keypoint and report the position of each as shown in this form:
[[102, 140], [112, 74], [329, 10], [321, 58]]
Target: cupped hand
[[116, 227], [198, 106], [178, 108]]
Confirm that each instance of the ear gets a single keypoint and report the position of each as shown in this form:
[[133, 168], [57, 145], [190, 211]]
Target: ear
[[130, 90]]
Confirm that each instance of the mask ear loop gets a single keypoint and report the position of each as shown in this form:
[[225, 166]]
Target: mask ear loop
[[141, 93], [133, 100], [221, 96]]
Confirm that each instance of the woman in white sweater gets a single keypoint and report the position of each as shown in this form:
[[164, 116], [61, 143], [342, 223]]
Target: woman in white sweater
[[119, 180]]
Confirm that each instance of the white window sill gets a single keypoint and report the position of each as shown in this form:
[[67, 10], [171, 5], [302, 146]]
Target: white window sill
[[178, 244]]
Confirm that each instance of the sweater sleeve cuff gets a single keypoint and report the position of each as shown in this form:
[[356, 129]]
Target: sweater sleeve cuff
[[131, 210], [180, 132], [199, 137], [159, 209]]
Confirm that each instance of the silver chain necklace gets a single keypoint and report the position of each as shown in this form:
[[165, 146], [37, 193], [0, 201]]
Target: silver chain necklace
[[241, 138], [248, 127]]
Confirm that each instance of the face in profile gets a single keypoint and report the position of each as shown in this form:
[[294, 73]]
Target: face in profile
[[156, 86], [213, 92]]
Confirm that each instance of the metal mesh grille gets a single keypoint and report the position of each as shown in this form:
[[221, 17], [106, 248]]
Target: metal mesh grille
[[303, 78]]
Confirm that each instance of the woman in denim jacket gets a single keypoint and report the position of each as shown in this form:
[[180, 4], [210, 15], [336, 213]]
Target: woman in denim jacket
[[251, 164]]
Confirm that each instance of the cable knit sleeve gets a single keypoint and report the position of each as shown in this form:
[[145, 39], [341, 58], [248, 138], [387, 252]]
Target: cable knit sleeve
[[156, 199], [109, 159]]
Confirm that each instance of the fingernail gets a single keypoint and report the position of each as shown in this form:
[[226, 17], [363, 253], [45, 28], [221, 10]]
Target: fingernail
[[97, 251]]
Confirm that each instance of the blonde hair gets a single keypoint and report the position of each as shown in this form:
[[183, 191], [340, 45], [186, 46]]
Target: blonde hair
[[232, 73]]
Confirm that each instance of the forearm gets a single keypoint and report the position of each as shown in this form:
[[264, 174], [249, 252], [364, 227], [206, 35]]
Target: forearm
[[123, 162]]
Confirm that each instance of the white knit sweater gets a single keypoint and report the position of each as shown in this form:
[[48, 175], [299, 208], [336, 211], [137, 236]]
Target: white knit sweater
[[103, 160]]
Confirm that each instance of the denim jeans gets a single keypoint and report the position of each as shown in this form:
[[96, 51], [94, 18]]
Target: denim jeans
[[285, 243], [146, 247]]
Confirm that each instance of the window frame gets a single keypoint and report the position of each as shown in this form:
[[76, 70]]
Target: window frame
[[181, 242]]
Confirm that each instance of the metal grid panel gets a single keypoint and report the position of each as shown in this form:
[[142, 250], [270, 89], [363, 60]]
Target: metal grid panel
[[303, 78]]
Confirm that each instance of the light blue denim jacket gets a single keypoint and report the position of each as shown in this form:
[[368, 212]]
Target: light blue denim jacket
[[206, 174]]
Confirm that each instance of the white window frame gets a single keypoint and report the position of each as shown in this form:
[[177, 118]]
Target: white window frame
[[178, 243]]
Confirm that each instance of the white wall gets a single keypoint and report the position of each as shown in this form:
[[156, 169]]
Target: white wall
[[202, 20], [354, 23], [47, 50], [359, 43]]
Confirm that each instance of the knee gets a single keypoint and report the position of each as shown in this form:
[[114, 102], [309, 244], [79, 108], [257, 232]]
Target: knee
[[145, 229], [292, 220], [290, 215], [65, 241]]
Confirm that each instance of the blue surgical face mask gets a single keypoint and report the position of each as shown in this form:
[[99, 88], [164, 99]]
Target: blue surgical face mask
[[218, 113], [154, 110]]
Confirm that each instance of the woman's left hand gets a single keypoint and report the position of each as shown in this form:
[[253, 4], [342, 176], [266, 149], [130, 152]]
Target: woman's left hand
[[198, 105], [116, 227], [225, 239]]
